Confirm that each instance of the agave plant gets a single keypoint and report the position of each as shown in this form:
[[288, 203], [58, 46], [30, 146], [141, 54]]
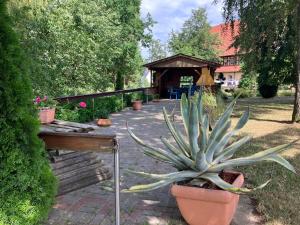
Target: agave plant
[[201, 155]]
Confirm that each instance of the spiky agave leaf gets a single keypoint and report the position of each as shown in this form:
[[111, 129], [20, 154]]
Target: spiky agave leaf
[[255, 158], [187, 161], [230, 150], [217, 147], [217, 180], [193, 130], [184, 108], [178, 137], [164, 179], [158, 153]]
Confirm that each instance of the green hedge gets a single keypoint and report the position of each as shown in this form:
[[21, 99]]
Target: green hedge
[[97, 107], [244, 93], [27, 185]]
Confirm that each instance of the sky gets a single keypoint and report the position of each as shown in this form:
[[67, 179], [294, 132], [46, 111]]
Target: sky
[[170, 14]]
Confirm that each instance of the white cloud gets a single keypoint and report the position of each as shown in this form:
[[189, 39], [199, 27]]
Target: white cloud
[[170, 14]]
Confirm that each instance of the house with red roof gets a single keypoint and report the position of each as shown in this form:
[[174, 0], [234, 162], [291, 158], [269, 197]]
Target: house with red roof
[[230, 68]]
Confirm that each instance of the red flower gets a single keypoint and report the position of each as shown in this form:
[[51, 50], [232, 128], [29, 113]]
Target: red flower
[[82, 104], [38, 100]]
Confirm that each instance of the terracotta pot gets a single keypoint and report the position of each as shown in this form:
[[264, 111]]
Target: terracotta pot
[[104, 122], [137, 105], [200, 206], [46, 115]]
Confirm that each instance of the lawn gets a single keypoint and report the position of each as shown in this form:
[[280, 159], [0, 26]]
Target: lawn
[[269, 126]]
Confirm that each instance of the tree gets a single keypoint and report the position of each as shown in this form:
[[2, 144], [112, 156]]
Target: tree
[[27, 186], [195, 37], [157, 50], [132, 33], [269, 40], [80, 46]]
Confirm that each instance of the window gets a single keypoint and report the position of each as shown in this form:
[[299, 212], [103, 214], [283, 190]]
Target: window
[[186, 81], [231, 60]]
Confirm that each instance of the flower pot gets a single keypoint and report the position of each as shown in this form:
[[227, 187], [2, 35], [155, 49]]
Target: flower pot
[[104, 122], [137, 105], [46, 115], [200, 206]]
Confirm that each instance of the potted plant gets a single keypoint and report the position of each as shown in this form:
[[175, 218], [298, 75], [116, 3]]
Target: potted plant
[[104, 120], [206, 190], [46, 107], [156, 98], [136, 103]]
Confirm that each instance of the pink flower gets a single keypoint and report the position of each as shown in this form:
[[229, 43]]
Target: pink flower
[[38, 99], [82, 104]]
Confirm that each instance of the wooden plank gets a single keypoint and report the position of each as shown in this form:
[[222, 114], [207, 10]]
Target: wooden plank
[[103, 94], [100, 173], [74, 161], [73, 124], [66, 156], [78, 141], [80, 170], [87, 181]]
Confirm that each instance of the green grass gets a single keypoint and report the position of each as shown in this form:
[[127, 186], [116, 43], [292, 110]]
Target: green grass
[[279, 202]]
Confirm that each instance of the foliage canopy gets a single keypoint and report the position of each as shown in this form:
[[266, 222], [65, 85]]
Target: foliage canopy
[[27, 186], [195, 38], [81, 46]]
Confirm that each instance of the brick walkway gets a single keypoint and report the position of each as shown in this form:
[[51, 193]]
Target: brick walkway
[[94, 206]]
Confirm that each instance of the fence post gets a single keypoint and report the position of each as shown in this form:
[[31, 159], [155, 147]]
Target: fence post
[[122, 99], [93, 105]]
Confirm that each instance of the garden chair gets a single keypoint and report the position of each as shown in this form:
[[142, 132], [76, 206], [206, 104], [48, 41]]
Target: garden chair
[[174, 92]]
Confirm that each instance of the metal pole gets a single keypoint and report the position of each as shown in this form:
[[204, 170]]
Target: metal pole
[[117, 183]]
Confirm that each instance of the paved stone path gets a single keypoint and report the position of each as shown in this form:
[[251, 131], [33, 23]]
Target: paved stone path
[[94, 206]]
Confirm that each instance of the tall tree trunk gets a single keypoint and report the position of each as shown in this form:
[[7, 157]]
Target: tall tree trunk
[[119, 81], [296, 111]]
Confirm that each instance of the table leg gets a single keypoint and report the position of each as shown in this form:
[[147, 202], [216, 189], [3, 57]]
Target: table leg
[[117, 184]]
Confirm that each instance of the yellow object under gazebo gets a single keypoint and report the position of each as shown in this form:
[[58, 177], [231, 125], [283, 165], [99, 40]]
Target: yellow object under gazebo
[[205, 78]]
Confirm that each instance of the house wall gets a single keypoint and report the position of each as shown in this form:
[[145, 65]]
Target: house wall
[[232, 79]]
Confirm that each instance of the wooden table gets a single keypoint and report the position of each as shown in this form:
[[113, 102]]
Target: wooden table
[[84, 137]]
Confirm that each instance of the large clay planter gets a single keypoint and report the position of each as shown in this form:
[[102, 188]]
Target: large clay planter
[[201, 206], [104, 122], [137, 105], [46, 115]]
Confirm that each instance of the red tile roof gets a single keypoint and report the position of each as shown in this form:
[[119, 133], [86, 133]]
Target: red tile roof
[[228, 69], [226, 37]]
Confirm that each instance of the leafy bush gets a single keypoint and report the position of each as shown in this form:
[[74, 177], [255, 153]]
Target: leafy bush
[[248, 81], [97, 108], [268, 91], [27, 185], [104, 114], [243, 93]]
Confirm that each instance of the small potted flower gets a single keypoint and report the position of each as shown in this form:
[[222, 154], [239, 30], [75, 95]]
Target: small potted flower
[[46, 108], [137, 103], [104, 120], [156, 98]]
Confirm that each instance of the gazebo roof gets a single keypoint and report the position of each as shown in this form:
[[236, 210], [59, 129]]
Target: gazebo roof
[[181, 61]]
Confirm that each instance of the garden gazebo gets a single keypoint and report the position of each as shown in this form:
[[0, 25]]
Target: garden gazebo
[[179, 71]]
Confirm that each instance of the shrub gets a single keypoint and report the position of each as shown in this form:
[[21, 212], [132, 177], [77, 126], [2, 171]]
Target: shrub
[[96, 108], [248, 81], [243, 93], [27, 186], [268, 91]]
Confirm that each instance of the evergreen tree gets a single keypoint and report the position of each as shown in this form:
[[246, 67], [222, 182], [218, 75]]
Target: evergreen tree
[[195, 37], [27, 185]]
